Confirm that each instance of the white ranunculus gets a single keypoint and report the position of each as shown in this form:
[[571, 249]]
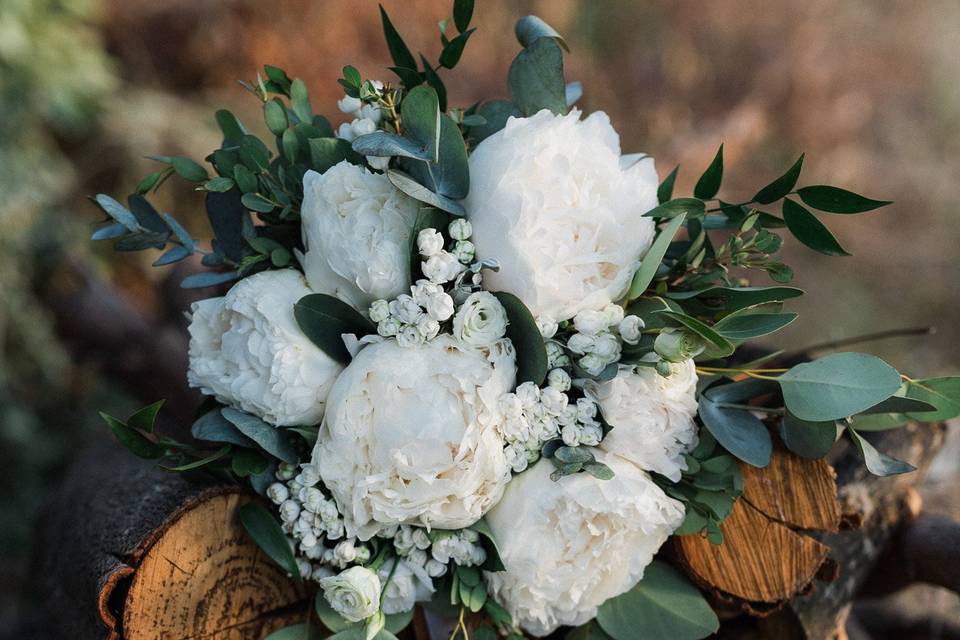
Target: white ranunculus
[[652, 416], [409, 584], [411, 435], [357, 231], [570, 545], [481, 320], [354, 593], [551, 201], [247, 351]]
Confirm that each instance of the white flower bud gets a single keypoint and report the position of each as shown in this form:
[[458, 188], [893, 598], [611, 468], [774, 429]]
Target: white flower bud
[[278, 492], [547, 326], [559, 379], [465, 251], [308, 541], [594, 365], [586, 409], [348, 104], [570, 415], [442, 267], [379, 310], [556, 356], [388, 327], [410, 336], [554, 400], [313, 499], [345, 552], [420, 538], [440, 307], [470, 535], [607, 347], [354, 593], [571, 435], [362, 126], [305, 568], [428, 327], [345, 132], [630, 328], [286, 471], [418, 557], [516, 458], [363, 554], [320, 572], [429, 242], [309, 475], [371, 112], [581, 343], [613, 314], [590, 435], [424, 290], [460, 229], [405, 309], [435, 569], [289, 510], [510, 406], [529, 394], [403, 540], [590, 322]]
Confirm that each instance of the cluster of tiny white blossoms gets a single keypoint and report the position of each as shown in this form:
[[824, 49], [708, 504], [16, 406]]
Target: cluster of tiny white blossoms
[[415, 545], [366, 119], [598, 338], [415, 318], [533, 416]]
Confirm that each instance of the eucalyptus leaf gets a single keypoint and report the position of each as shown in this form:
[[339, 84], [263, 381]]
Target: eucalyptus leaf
[[231, 128], [809, 230], [419, 192], [665, 190], [324, 319], [449, 177], [109, 232], [420, 111], [264, 529], [526, 338], [692, 207], [452, 51], [202, 462], [383, 144], [302, 631], [942, 393], [837, 386], [300, 101], [493, 561], [462, 14], [208, 279], [722, 345], [573, 92], [399, 52], [529, 29], [664, 605], [172, 255], [495, 113], [738, 431], [213, 427], [327, 152], [275, 115], [709, 183], [132, 439], [879, 464], [782, 186], [837, 200], [716, 299], [270, 438], [188, 169], [898, 404], [117, 211], [807, 439], [754, 325], [653, 257], [145, 213], [230, 221], [536, 79]]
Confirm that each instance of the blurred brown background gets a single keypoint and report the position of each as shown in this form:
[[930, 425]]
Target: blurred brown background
[[870, 90]]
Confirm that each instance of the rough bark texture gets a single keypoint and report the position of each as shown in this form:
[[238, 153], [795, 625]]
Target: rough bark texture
[[127, 550]]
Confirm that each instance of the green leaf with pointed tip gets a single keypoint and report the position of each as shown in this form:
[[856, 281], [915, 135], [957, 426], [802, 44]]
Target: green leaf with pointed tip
[[188, 169], [399, 52], [132, 439], [665, 190], [713, 299], [300, 101], [739, 431], [202, 462], [898, 404], [692, 207], [213, 427], [536, 79], [781, 186], [462, 14], [653, 257], [117, 211], [942, 393], [807, 439], [722, 345], [275, 115], [451, 53], [327, 152], [420, 111], [145, 418], [837, 200], [709, 183], [526, 338], [231, 128], [419, 192], [264, 529], [529, 29], [384, 145], [324, 319], [809, 230], [664, 605], [837, 386], [879, 464], [496, 113], [753, 325], [493, 562], [272, 439]]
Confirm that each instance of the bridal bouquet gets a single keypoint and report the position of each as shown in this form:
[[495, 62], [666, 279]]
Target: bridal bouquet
[[479, 358]]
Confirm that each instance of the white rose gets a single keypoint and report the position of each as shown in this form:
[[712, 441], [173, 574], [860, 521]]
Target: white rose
[[652, 416], [442, 267], [247, 351], [629, 329], [590, 322], [357, 232], [409, 584], [559, 575], [481, 320], [429, 242], [354, 593], [411, 435], [551, 203]]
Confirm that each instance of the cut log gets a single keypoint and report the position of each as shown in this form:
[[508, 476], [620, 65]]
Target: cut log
[[129, 551]]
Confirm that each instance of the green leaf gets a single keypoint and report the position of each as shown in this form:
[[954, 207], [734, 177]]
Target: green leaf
[[264, 529], [462, 14], [807, 439], [174, 254], [231, 128], [573, 454], [452, 51], [739, 431], [109, 232], [146, 214], [536, 79], [598, 470], [713, 300], [942, 393], [781, 186], [145, 418], [420, 111], [408, 77], [496, 113], [809, 230], [399, 52], [525, 336], [529, 29], [302, 631], [324, 319], [219, 184], [188, 169], [133, 439], [877, 463], [202, 462], [384, 144], [692, 207], [258, 203], [665, 190], [837, 200], [328, 616], [327, 152], [419, 192], [149, 181], [450, 175], [213, 427], [397, 622], [117, 211], [653, 257], [722, 345], [573, 92], [230, 222], [275, 115], [753, 325], [277, 76], [493, 561], [247, 462], [434, 81], [837, 386], [300, 101], [663, 606], [208, 279], [898, 404], [709, 183], [589, 631], [272, 439]]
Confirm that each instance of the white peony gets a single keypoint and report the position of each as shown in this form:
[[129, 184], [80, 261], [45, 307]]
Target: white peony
[[411, 435], [354, 593], [652, 416], [552, 202], [568, 546], [357, 231], [409, 584], [247, 351], [481, 320]]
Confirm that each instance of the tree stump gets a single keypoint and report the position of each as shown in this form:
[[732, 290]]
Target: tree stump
[[129, 551]]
